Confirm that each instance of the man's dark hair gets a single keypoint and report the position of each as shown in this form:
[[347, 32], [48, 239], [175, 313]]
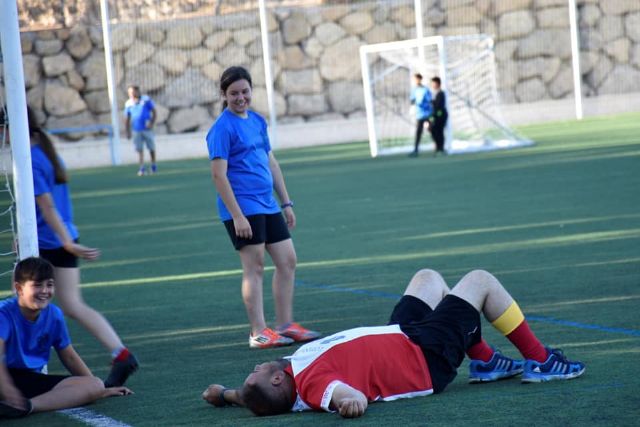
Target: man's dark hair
[[436, 80], [418, 76], [33, 268], [264, 401]]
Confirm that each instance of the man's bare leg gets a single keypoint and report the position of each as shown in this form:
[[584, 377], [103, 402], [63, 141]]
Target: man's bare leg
[[484, 292], [428, 286]]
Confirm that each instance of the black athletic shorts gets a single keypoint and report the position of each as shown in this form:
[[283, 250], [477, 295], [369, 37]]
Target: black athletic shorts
[[443, 334], [59, 257], [32, 384], [267, 228]]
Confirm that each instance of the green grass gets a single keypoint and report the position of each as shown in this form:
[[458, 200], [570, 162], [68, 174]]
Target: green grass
[[558, 223]]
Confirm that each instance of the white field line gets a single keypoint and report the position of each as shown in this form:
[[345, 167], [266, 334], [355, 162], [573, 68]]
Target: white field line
[[92, 418]]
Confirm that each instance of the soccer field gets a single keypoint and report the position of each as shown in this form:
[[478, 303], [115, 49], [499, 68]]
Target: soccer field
[[558, 223]]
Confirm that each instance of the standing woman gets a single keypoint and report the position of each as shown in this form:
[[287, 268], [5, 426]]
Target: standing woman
[[58, 243], [245, 173]]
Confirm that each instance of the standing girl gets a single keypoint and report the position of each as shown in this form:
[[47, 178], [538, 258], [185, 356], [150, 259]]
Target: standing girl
[[58, 243], [245, 173]]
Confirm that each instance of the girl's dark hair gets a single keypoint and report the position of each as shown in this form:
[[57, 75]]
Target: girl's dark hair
[[232, 75], [33, 268], [36, 132]]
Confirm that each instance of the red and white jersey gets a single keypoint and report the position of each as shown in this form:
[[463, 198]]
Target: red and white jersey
[[380, 361]]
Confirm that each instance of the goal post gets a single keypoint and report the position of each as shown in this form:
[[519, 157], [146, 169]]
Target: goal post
[[16, 118], [466, 67]]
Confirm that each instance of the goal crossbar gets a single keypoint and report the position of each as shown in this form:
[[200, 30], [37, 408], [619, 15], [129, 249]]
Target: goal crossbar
[[466, 66]]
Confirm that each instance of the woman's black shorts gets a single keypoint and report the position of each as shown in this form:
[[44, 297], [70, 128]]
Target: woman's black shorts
[[266, 228], [60, 257], [443, 334]]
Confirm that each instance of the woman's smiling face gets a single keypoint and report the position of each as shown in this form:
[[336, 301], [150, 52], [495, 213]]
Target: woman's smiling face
[[238, 97]]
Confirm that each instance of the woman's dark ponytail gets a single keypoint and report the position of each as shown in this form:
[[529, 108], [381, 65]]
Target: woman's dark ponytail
[[35, 131]]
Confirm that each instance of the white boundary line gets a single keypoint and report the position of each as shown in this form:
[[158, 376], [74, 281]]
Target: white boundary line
[[92, 418]]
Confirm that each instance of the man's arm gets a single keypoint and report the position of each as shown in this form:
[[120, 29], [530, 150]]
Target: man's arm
[[152, 119], [349, 402], [220, 396], [8, 391], [127, 126], [73, 362], [440, 103]]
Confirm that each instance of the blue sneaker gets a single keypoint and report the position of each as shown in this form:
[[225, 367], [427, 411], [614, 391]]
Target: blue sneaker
[[499, 367], [142, 171], [556, 367], [154, 168]]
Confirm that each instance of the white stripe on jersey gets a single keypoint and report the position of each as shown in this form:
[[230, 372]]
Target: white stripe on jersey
[[306, 354]]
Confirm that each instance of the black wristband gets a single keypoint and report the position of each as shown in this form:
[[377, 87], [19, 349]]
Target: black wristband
[[222, 396], [289, 204]]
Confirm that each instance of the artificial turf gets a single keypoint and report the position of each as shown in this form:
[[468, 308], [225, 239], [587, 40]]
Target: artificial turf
[[558, 223]]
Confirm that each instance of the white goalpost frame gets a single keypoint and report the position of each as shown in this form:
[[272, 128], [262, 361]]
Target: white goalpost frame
[[368, 103], [114, 143], [268, 76], [575, 59], [440, 42], [18, 131]]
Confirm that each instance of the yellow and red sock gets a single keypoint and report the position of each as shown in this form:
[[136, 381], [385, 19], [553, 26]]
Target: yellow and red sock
[[513, 325], [480, 351]]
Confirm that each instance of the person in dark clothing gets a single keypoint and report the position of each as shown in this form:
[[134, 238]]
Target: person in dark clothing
[[439, 116]]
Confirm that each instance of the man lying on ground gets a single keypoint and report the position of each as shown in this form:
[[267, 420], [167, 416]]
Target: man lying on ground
[[430, 330]]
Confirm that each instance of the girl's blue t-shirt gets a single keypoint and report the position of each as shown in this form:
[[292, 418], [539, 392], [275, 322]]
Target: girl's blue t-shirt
[[244, 144], [27, 344], [44, 181]]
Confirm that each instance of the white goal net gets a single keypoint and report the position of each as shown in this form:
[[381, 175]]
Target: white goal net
[[466, 67], [8, 250]]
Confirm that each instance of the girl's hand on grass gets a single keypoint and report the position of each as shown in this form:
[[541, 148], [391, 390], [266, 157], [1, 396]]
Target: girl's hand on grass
[[116, 391]]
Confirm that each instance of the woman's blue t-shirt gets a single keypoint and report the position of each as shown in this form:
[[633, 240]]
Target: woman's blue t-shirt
[[27, 344], [44, 181], [244, 144]]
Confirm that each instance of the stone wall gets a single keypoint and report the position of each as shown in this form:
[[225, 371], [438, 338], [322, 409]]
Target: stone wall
[[316, 61]]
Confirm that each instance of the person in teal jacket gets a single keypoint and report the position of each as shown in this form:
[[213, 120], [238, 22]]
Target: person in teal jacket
[[421, 98]]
